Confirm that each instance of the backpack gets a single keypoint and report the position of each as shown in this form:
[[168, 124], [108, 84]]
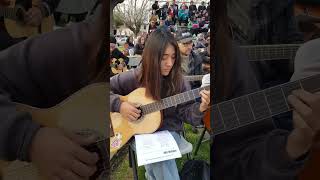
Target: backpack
[[195, 170]]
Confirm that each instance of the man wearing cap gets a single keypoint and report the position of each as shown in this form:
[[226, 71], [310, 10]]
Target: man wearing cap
[[191, 61]]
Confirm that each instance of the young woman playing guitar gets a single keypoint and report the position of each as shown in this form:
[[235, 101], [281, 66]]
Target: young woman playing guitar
[[160, 74]]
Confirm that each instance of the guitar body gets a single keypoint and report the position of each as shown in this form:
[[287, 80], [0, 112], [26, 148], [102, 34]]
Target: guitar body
[[84, 111], [116, 68], [118, 71], [124, 129], [18, 29]]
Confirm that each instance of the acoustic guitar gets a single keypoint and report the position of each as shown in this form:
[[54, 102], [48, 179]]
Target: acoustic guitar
[[118, 66], [85, 112], [14, 24], [151, 116]]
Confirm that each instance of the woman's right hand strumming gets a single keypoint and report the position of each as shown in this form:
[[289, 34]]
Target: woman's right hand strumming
[[129, 111]]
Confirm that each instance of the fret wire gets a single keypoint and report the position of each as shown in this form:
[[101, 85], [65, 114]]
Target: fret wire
[[224, 125], [156, 105], [184, 97], [160, 105], [170, 99], [146, 110], [254, 116], [163, 104], [175, 100], [234, 108], [301, 85], [152, 105], [148, 107], [193, 94], [264, 95], [167, 102], [189, 95], [180, 96]]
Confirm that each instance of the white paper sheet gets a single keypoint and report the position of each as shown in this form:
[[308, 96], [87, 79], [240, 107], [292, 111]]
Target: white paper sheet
[[156, 147]]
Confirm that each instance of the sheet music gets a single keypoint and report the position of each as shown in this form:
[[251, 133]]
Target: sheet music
[[205, 80], [156, 147]]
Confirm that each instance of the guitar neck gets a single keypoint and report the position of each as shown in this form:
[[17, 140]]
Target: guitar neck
[[9, 13], [173, 100], [258, 106], [271, 52], [194, 78]]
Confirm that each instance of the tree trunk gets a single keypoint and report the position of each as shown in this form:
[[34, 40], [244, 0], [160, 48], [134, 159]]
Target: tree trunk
[[112, 5]]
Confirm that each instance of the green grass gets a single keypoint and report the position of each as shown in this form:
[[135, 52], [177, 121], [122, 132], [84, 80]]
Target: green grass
[[124, 172]]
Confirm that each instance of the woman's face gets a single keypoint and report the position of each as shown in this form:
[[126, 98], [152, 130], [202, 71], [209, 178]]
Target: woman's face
[[142, 40], [168, 60]]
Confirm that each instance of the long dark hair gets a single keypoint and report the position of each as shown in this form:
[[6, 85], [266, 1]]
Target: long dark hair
[[150, 77], [222, 51]]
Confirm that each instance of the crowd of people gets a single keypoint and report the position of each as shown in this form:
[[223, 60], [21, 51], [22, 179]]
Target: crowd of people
[[193, 21], [197, 47], [170, 16]]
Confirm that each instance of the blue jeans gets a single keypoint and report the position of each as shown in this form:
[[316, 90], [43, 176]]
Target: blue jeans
[[164, 170]]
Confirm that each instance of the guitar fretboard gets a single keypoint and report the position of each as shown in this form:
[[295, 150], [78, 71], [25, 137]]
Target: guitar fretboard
[[271, 52], [194, 78], [172, 100], [10, 13], [257, 106]]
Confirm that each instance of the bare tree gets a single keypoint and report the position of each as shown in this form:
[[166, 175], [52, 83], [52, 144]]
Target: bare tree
[[113, 3], [133, 13]]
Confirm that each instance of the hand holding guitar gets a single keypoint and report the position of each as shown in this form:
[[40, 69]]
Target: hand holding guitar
[[129, 111], [59, 155], [205, 100], [306, 119]]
